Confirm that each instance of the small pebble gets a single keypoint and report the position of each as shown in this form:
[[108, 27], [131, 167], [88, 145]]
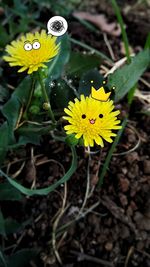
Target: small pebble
[[146, 166], [109, 246]]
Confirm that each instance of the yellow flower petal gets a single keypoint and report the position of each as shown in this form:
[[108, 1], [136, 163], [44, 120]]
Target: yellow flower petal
[[32, 58], [93, 120]]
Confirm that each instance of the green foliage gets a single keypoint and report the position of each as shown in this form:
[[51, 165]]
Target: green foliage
[[2, 225], [71, 140], [110, 153], [3, 262], [80, 63], [55, 67], [13, 106], [4, 133], [45, 191], [5, 38], [20, 258], [147, 44], [125, 78], [8, 192], [24, 119], [85, 82], [61, 94], [9, 226]]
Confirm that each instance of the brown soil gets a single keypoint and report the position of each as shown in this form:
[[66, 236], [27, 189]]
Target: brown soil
[[116, 231]]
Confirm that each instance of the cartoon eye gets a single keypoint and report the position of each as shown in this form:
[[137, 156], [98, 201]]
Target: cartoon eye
[[101, 116], [83, 116], [28, 47], [36, 45]]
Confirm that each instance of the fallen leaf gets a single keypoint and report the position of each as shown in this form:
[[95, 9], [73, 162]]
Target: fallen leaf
[[101, 22]]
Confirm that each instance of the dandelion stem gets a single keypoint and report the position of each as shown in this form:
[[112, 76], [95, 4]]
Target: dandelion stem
[[45, 96], [30, 96]]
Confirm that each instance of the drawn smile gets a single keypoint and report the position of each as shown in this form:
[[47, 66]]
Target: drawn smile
[[92, 121]]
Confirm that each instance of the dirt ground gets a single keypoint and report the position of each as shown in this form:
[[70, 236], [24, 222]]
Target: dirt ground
[[114, 227]]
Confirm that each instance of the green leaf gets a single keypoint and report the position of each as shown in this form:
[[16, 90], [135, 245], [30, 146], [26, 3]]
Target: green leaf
[[146, 112], [110, 153], [12, 226], [18, 99], [85, 82], [147, 44], [3, 262], [2, 225], [125, 78], [5, 38], [47, 190], [130, 95], [89, 48], [71, 140], [80, 63], [4, 129], [29, 129], [20, 7], [61, 94], [3, 93], [8, 192], [56, 66], [31, 133], [22, 258]]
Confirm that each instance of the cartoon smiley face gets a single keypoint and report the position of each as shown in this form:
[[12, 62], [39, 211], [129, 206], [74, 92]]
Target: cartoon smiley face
[[28, 46], [92, 121], [91, 115]]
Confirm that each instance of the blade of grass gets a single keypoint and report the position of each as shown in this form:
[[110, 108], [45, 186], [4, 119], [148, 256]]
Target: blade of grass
[[47, 190], [126, 45], [110, 153], [123, 31], [131, 94], [90, 49]]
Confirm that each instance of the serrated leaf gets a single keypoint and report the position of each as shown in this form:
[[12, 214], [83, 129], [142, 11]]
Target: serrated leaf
[[80, 63], [8, 192], [125, 78], [85, 82]]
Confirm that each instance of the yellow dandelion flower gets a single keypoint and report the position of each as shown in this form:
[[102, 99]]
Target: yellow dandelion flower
[[92, 119], [31, 51]]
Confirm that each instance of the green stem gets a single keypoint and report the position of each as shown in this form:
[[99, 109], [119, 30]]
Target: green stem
[[45, 96], [123, 31], [30, 96]]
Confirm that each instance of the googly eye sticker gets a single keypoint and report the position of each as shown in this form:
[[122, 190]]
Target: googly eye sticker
[[27, 46], [57, 26]]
